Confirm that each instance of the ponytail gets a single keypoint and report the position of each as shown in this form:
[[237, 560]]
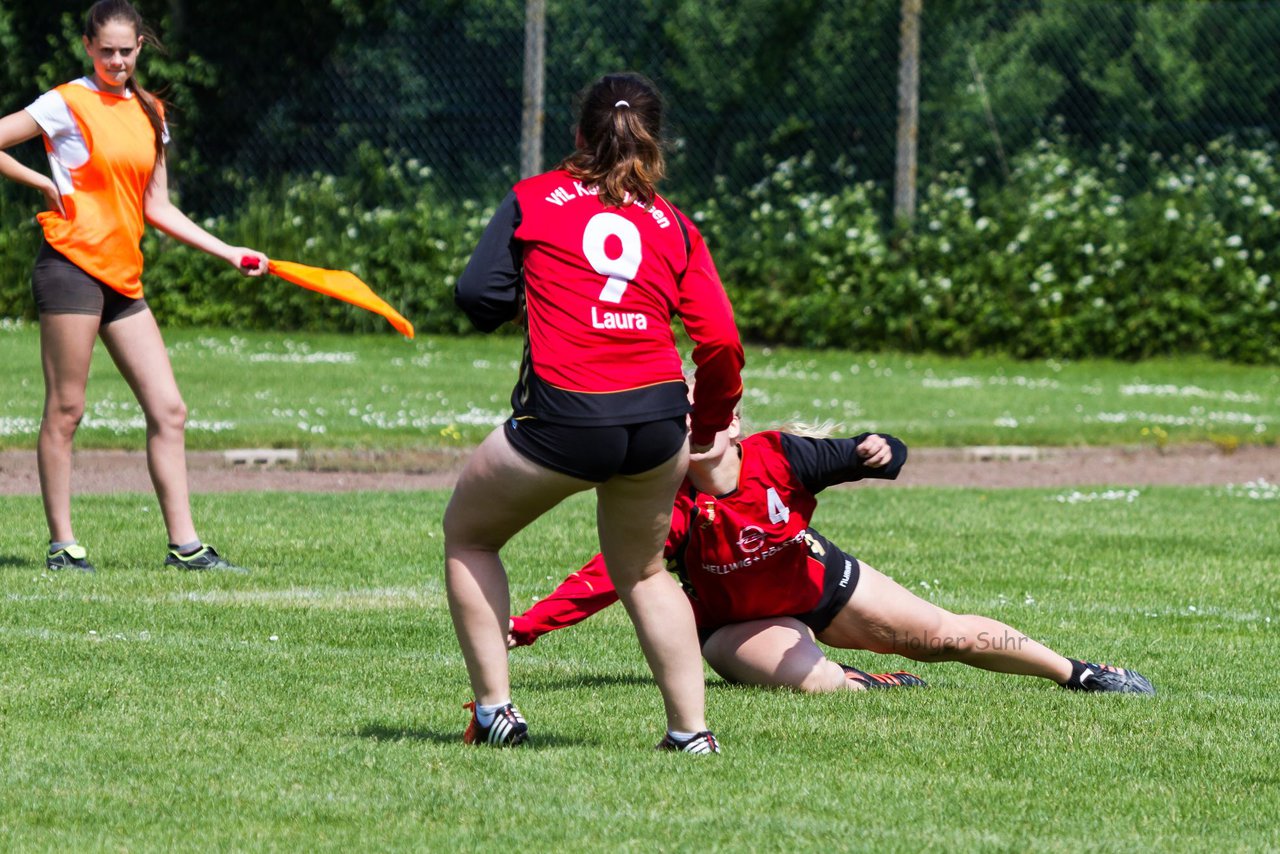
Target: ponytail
[[153, 107], [620, 140]]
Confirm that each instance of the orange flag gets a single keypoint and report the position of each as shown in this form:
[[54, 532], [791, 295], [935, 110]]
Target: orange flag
[[338, 284]]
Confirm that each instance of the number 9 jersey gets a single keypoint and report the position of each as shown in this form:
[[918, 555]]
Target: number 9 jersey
[[601, 286]]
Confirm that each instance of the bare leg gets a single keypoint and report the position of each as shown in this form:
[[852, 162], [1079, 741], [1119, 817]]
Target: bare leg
[[138, 351], [66, 349], [883, 616], [498, 493], [778, 652], [633, 517]]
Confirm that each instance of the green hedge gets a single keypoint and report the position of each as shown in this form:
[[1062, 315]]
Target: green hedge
[[1057, 261]]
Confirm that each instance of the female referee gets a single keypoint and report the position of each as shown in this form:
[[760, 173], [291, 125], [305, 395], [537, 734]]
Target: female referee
[[764, 584], [601, 263], [105, 136]]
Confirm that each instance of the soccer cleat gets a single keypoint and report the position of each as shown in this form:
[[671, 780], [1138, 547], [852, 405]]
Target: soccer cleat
[[507, 729], [702, 742], [1104, 678], [203, 559], [71, 557], [900, 679]]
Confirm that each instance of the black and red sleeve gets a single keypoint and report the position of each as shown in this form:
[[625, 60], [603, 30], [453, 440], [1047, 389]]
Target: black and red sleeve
[[819, 463], [717, 348], [488, 291]]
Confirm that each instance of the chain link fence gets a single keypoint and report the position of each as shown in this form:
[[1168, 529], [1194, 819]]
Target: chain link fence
[[753, 83]]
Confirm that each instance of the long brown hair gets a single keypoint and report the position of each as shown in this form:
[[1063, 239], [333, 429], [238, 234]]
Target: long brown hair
[[102, 13], [620, 136]]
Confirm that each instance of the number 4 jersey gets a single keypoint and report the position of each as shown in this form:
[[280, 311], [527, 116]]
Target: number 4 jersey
[[749, 554], [601, 286]]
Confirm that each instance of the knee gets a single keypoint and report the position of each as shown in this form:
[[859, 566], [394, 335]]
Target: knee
[[465, 531], [170, 416], [63, 417]]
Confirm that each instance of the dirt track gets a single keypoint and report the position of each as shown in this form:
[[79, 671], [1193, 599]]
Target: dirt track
[[120, 471]]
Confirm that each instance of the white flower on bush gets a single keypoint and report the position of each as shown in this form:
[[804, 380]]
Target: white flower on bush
[[1247, 201], [1234, 240], [982, 223], [1171, 214], [944, 283], [1218, 262]]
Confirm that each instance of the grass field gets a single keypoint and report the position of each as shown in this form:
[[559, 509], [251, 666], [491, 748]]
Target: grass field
[[342, 391], [315, 704]]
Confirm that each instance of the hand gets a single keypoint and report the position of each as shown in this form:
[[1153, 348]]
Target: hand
[[53, 199], [250, 262], [875, 451], [511, 636]]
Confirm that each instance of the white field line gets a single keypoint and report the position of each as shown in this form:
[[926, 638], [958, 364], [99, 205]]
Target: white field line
[[366, 599]]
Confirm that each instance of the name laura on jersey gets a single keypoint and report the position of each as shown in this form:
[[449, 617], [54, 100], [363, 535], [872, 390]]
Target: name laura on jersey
[[618, 319]]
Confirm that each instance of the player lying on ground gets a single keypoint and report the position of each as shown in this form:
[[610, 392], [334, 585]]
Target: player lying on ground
[[765, 585]]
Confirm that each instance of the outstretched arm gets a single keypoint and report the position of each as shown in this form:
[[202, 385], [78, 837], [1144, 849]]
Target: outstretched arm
[[820, 463], [164, 215], [579, 596]]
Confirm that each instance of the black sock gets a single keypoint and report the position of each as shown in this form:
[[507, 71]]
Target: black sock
[[1077, 670], [187, 549]]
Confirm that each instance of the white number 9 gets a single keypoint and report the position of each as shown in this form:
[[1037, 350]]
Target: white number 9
[[621, 270]]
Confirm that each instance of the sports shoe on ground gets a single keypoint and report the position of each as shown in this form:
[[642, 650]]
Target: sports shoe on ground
[[900, 679], [204, 559], [507, 729], [702, 742], [1104, 678], [72, 557]]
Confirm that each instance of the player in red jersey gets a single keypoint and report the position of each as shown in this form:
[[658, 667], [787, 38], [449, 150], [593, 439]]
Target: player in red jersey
[[764, 584], [601, 264]]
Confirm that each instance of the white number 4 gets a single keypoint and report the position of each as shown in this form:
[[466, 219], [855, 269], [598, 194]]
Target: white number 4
[[621, 270], [778, 512]]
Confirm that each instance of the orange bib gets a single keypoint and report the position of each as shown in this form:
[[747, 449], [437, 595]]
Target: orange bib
[[104, 222]]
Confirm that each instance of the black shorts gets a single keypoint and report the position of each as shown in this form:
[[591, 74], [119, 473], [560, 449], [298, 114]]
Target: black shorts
[[60, 287], [838, 583], [840, 576], [597, 453]]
